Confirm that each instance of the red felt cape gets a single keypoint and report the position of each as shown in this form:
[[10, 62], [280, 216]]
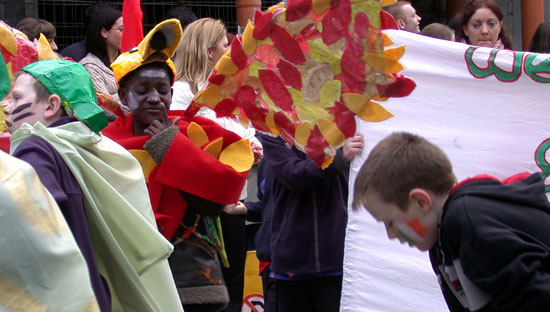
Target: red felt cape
[[184, 167]]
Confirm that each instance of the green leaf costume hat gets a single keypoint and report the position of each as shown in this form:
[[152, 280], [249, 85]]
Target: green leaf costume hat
[[72, 83]]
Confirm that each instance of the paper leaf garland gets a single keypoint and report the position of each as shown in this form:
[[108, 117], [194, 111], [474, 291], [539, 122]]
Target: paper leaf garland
[[305, 71]]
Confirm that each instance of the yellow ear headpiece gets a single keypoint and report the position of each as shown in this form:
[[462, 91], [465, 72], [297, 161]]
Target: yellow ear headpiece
[[158, 46]]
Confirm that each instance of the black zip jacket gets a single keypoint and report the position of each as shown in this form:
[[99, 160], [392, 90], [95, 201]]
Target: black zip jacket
[[497, 236]]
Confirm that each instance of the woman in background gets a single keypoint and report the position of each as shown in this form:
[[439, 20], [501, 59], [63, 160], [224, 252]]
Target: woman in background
[[481, 25], [203, 43], [540, 42], [33, 27], [102, 40]]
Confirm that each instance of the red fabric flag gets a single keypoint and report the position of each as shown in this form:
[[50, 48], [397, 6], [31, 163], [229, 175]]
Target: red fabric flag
[[132, 17]]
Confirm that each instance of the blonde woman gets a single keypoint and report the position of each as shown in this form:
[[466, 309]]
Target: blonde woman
[[203, 43]]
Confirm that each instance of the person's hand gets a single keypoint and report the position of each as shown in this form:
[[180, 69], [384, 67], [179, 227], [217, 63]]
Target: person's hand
[[352, 147], [238, 208], [157, 126], [258, 151]]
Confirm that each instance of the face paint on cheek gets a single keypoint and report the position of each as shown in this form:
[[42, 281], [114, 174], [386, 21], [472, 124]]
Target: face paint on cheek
[[413, 232], [21, 107], [22, 116]]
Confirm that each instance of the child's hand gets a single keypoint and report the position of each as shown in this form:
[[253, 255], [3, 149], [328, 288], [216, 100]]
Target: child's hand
[[238, 208], [352, 147]]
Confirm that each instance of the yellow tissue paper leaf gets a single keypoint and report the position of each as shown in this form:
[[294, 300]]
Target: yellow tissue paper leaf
[[214, 148], [253, 68], [210, 96], [330, 131], [374, 112], [270, 122], [280, 5], [238, 156], [354, 101], [196, 134], [308, 111], [381, 64], [330, 93], [248, 41], [297, 95], [44, 49], [395, 53], [321, 53], [302, 133], [387, 2], [8, 41], [386, 40], [327, 162], [320, 6], [145, 160], [225, 66]]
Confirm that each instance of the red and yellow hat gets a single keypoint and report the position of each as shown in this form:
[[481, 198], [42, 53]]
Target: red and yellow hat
[[158, 46]]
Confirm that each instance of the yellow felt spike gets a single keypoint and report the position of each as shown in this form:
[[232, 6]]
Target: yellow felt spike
[[45, 51], [330, 131], [270, 122], [378, 98], [8, 41], [395, 53], [374, 112], [145, 160], [354, 101], [382, 64], [280, 5], [330, 93], [225, 66], [196, 134], [210, 96], [387, 2], [214, 148], [320, 6], [302, 133], [248, 41], [238, 156], [386, 40]]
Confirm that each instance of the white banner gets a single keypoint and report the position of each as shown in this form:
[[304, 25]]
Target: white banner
[[489, 110]]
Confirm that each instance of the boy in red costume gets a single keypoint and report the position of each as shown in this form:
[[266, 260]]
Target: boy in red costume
[[189, 163]]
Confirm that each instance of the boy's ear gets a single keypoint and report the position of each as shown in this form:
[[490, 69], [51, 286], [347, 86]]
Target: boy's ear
[[400, 23], [122, 96], [55, 108], [421, 198]]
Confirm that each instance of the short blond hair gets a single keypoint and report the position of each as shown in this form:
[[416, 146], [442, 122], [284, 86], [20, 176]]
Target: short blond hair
[[397, 164], [191, 60]]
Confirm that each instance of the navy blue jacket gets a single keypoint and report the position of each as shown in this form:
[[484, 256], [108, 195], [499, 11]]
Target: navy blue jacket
[[309, 211]]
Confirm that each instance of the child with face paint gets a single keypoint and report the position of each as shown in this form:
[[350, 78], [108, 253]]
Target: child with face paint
[[488, 239], [55, 122]]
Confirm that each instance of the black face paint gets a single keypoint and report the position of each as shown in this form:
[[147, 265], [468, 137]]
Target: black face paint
[[22, 116], [21, 107]]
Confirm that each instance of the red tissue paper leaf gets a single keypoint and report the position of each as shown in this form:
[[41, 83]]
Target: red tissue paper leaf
[[275, 89], [401, 87], [296, 9], [344, 119], [350, 85], [290, 74], [387, 21], [245, 98], [315, 147], [286, 127], [266, 54], [310, 32], [287, 45], [239, 58], [216, 79], [225, 108], [335, 23], [262, 25], [361, 25], [351, 63]]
